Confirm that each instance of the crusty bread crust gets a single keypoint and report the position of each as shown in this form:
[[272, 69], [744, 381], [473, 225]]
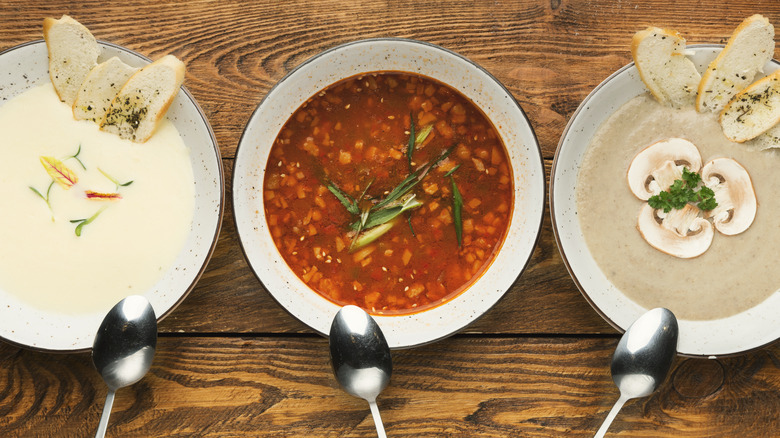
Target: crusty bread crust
[[144, 99], [73, 52], [659, 56], [750, 46], [752, 111]]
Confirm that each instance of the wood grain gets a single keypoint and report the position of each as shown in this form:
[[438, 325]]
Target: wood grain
[[229, 298], [232, 363], [549, 54], [465, 386]]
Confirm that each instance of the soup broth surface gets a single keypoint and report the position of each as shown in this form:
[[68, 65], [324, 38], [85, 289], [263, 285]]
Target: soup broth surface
[[125, 244], [733, 275], [354, 136]]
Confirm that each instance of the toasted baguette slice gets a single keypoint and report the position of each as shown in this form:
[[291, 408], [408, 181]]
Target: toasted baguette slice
[[659, 55], [753, 110], [99, 89], [73, 52], [749, 48], [144, 99], [769, 139]]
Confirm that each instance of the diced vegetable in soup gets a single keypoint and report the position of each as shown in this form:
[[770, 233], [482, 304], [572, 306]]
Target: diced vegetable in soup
[[388, 191]]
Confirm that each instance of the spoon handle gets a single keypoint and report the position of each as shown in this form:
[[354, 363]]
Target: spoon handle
[[611, 416], [103, 425], [380, 428]]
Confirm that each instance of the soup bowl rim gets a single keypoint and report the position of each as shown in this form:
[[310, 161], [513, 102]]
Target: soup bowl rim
[[406, 330]]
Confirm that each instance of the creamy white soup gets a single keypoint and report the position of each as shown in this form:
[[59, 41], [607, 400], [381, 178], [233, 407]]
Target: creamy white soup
[[82, 248], [733, 275]]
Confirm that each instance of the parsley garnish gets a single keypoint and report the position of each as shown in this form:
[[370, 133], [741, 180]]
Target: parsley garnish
[[682, 192], [707, 199]]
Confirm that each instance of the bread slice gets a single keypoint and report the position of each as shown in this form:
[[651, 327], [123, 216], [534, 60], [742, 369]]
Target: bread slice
[[143, 100], [768, 140], [659, 55], [73, 51], [753, 110], [749, 48], [99, 88]]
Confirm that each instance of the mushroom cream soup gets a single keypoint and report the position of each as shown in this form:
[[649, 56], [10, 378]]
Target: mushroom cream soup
[[734, 274], [87, 218]]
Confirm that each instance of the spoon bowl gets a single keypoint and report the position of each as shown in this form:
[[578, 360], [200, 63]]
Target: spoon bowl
[[643, 358], [124, 348], [360, 357]]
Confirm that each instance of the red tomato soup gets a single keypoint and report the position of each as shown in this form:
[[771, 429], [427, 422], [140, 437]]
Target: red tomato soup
[[363, 221]]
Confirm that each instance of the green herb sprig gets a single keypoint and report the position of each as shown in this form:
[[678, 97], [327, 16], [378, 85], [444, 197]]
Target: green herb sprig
[[353, 206], [347, 201], [414, 140], [82, 222], [684, 191], [457, 206], [114, 180], [76, 157], [45, 198], [371, 235], [410, 181], [389, 212], [424, 133], [397, 201]]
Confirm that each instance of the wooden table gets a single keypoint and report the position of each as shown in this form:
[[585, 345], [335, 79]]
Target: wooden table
[[231, 362]]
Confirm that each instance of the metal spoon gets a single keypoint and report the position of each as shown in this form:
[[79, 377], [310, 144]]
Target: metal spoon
[[360, 357], [124, 348], [642, 358]]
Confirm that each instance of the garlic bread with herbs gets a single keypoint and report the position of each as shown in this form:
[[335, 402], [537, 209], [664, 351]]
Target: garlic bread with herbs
[[659, 55], [73, 52], [99, 89], [143, 100], [749, 48], [752, 111]]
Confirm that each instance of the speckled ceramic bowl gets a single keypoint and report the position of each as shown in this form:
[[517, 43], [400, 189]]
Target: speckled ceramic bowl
[[26, 66], [739, 333], [405, 56]]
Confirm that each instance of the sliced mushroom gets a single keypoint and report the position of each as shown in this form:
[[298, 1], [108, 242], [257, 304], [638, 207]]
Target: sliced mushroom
[[734, 194], [664, 176], [681, 233], [656, 167]]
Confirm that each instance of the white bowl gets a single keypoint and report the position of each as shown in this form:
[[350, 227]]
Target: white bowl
[[739, 333], [26, 66], [405, 56]]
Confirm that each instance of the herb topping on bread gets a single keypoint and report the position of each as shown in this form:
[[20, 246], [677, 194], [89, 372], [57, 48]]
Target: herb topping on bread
[[143, 100], [749, 48], [99, 89], [753, 111]]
